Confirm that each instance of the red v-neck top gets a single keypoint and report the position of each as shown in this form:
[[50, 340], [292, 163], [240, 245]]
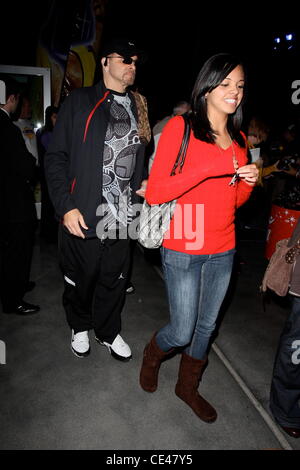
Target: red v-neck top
[[203, 221]]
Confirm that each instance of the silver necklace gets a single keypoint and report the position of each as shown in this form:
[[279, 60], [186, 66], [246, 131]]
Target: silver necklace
[[235, 162]]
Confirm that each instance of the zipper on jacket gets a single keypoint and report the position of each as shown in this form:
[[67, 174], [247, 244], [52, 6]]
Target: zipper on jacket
[[91, 114]]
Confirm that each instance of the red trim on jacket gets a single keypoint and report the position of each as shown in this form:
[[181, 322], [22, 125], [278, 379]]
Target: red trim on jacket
[[73, 185], [91, 114]]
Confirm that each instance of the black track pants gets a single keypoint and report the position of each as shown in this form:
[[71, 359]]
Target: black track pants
[[95, 275]]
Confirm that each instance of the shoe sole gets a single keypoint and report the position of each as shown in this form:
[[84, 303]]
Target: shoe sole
[[131, 291], [80, 355], [113, 353], [21, 314], [31, 312]]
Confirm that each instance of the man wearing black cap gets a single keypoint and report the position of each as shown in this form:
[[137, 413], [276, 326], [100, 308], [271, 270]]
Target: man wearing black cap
[[94, 167]]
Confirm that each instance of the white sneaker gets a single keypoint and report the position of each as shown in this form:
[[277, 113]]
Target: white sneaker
[[118, 349], [80, 343]]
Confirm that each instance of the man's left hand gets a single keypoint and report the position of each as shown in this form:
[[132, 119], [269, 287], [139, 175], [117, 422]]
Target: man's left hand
[[142, 191]]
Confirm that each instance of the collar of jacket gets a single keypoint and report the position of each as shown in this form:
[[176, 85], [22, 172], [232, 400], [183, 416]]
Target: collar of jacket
[[102, 93]]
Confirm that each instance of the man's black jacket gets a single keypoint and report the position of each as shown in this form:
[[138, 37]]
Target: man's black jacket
[[16, 175], [74, 160]]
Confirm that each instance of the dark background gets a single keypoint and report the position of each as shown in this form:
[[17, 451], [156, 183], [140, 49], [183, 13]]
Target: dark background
[[178, 37]]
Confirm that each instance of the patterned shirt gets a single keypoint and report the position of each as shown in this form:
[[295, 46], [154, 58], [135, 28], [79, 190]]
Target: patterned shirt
[[120, 149]]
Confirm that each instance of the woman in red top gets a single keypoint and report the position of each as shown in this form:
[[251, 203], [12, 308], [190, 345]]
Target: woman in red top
[[198, 249]]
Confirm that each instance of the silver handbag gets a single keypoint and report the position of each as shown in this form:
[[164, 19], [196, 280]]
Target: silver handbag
[[155, 219]]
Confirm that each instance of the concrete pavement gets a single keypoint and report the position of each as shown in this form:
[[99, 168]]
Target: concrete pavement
[[50, 399]]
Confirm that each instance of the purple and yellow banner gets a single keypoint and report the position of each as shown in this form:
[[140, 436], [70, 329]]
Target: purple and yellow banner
[[69, 44]]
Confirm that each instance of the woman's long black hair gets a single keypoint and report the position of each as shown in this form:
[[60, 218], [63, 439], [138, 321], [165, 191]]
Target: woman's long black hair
[[213, 72]]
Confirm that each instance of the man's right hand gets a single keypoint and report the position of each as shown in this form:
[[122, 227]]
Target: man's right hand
[[74, 221]]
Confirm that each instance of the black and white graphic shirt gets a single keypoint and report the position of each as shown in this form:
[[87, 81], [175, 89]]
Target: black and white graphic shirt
[[120, 149]]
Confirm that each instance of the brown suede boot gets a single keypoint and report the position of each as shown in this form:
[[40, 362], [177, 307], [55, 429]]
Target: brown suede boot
[[190, 373], [152, 359]]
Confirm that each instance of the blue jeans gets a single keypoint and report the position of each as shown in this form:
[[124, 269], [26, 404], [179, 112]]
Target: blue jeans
[[196, 287]]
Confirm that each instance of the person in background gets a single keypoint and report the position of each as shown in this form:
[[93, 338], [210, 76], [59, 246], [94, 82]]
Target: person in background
[[17, 207], [48, 223], [198, 249], [285, 385], [181, 107], [25, 125], [258, 133], [255, 213], [94, 167], [278, 174]]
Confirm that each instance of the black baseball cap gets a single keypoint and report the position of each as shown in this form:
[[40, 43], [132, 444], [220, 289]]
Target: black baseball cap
[[122, 46]]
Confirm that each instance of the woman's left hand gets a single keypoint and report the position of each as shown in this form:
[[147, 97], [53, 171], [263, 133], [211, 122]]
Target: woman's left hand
[[249, 173]]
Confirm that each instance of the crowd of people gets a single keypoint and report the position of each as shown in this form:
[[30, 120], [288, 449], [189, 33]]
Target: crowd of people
[[93, 173], [276, 152]]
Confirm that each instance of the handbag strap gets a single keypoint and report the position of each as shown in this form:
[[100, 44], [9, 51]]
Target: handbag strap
[[180, 159]]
